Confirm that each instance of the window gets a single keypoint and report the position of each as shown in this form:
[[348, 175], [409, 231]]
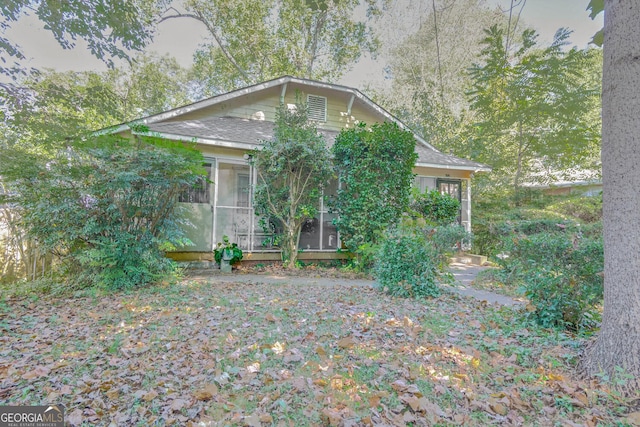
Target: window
[[317, 107], [244, 190], [424, 183], [200, 192]]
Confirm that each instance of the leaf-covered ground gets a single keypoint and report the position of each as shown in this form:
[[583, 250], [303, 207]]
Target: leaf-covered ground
[[256, 355]]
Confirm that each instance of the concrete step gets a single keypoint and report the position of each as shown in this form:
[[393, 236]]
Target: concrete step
[[469, 259]]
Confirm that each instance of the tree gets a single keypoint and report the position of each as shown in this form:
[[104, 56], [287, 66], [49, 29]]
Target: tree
[[111, 28], [531, 107], [105, 207], [375, 169], [429, 83], [250, 41], [69, 104], [617, 347], [292, 169], [432, 62]]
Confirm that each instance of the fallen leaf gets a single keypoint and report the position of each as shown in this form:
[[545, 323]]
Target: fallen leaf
[[499, 408], [346, 342], [206, 393], [150, 396], [331, 417], [37, 372], [178, 404], [252, 421], [74, 418], [320, 382], [113, 394], [374, 401], [266, 418], [633, 419]]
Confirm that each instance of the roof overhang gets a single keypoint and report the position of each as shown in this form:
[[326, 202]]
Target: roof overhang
[[197, 140], [455, 167]]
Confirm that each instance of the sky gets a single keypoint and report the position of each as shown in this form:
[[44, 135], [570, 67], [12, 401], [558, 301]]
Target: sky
[[180, 38]]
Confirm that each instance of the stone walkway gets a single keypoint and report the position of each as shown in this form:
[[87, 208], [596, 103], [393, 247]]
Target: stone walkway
[[464, 274]]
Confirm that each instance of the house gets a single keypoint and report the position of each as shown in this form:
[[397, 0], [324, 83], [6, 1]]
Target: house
[[226, 127], [575, 181]]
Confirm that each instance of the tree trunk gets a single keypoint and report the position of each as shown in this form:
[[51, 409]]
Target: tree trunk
[[290, 244], [516, 179], [618, 344]]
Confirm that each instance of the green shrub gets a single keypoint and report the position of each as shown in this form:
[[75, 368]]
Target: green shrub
[[375, 166], [106, 208], [411, 259], [436, 208], [232, 248], [445, 241], [585, 209], [559, 273], [406, 266]]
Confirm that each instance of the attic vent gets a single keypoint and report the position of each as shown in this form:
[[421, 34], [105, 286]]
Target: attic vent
[[317, 106]]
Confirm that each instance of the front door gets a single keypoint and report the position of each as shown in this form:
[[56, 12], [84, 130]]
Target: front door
[[452, 187], [234, 210], [198, 204]]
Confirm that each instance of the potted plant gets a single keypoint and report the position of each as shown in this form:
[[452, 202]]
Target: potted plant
[[227, 254]]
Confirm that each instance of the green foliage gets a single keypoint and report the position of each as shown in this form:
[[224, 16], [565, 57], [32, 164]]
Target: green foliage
[[495, 220], [446, 240], [106, 207], [375, 169], [429, 85], [256, 41], [410, 259], [406, 266], [436, 208], [533, 107], [292, 169], [585, 209], [561, 275], [110, 27], [234, 253], [60, 105]]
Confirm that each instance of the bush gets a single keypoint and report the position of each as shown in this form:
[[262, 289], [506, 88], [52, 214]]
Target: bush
[[366, 204], [559, 273], [411, 259], [585, 209], [436, 208], [406, 266], [445, 241], [106, 207]]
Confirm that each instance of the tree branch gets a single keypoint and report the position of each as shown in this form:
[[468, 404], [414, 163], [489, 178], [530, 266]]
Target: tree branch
[[199, 17]]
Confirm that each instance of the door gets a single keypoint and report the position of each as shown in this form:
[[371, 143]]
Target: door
[[234, 212], [452, 187], [198, 206]]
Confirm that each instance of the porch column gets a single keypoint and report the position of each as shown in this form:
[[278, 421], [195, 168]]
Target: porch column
[[469, 205]]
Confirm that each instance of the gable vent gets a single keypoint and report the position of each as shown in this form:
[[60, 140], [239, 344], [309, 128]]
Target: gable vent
[[317, 106]]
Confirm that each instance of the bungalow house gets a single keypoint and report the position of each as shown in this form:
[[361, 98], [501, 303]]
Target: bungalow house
[[226, 127]]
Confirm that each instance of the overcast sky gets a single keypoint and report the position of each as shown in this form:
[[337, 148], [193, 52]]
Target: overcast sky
[[181, 37]]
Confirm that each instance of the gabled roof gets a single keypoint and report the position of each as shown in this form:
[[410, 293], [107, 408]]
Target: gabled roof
[[247, 134]]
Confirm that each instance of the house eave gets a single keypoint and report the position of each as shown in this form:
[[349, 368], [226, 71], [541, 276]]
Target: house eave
[[199, 140], [473, 169]]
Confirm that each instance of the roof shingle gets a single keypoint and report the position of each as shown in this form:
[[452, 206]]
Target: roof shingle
[[252, 132]]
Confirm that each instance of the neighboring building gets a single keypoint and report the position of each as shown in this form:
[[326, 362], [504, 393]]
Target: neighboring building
[[226, 127], [582, 182]]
